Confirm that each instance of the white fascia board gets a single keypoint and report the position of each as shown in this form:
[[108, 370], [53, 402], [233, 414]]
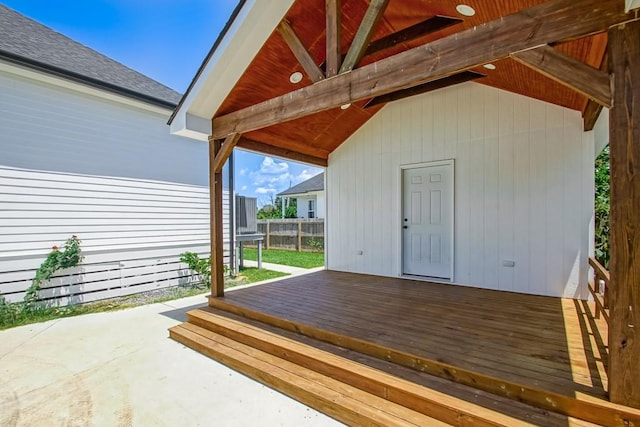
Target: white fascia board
[[190, 126], [42, 77], [632, 4], [248, 33]]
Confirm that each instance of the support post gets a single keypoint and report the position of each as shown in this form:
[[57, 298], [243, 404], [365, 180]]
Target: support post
[[266, 238], [299, 236], [215, 208], [624, 141]]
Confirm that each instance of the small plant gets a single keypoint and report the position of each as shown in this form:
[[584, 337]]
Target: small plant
[[316, 245], [69, 256], [202, 266]]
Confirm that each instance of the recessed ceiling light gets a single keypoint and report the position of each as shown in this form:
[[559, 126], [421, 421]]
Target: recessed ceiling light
[[465, 10], [345, 106], [489, 66], [295, 77]]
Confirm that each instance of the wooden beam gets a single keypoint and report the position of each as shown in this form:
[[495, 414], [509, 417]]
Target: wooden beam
[[591, 114], [363, 36], [455, 79], [260, 147], [421, 29], [624, 145], [301, 53], [568, 71], [334, 31], [215, 219], [225, 152], [543, 24]]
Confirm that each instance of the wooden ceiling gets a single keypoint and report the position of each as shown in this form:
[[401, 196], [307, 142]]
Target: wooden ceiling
[[319, 134]]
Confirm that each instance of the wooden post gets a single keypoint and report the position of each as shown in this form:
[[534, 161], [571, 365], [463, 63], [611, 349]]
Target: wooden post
[[266, 239], [215, 207], [299, 236], [624, 142]]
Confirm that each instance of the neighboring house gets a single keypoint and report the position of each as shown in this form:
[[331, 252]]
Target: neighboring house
[[457, 150], [309, 196], [85, 150]]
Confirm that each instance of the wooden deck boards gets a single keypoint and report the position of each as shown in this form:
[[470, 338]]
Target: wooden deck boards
[[541, 342]]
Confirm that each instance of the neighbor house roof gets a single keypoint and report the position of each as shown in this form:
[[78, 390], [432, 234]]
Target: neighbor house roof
[[315, 183], [28, 43]]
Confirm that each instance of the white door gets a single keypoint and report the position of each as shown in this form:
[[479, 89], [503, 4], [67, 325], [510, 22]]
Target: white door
[[427, 220]]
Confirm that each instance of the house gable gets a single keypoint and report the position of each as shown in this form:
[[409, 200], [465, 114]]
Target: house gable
[[523, 189]]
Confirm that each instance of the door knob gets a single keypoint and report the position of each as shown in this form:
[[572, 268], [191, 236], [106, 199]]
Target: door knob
[[405, 227]]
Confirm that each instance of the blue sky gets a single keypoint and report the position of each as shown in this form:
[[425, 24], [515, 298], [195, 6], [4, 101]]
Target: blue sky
[[166, 40]]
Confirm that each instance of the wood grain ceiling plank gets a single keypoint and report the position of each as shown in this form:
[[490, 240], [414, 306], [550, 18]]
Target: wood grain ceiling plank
[[570, 72], [543, 24]]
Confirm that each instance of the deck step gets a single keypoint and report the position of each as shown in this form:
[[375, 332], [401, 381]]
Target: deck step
[[379, 384], [341, 401]]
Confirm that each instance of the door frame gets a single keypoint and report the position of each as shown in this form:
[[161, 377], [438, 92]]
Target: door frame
[[399, 223]]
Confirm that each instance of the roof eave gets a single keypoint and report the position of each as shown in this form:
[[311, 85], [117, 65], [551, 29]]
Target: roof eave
[[79, 78], [251, 24]]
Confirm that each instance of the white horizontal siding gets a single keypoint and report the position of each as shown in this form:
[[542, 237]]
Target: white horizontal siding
[[53, 128], [110, 172], [523, 188], [130, 244]]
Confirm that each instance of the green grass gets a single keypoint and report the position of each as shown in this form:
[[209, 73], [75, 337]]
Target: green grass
[[285, 257], [252, 275], [12, 315]]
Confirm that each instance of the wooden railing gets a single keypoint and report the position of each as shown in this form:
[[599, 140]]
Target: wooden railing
[[600, 288]]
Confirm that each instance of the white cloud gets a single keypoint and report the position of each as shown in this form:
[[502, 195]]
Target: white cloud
[[305, 175], [244, 188], [262, 190], [271, 167], [243, 171]]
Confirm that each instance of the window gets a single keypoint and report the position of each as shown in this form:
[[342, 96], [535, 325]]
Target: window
[[312, 209]]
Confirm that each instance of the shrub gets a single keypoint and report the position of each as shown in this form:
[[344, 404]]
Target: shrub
[[69, 256], [202, 266]]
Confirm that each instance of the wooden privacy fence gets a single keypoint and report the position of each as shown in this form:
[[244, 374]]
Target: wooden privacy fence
[[293, 234]]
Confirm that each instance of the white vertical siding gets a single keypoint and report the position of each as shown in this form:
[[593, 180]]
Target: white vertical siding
[[523, 188]]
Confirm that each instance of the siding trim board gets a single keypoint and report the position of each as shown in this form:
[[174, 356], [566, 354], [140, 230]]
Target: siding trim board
[[523, 195]]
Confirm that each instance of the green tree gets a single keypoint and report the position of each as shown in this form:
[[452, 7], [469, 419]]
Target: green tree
[[601, 206], [273, 210]]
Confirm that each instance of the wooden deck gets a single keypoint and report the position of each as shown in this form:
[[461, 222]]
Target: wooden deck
[[546, 352], [537, 341]]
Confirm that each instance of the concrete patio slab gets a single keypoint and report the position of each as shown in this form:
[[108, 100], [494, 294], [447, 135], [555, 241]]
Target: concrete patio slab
[[121, 369]]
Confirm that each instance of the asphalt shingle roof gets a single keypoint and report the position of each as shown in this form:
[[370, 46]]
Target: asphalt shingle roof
[[315, 183], [25, 41]]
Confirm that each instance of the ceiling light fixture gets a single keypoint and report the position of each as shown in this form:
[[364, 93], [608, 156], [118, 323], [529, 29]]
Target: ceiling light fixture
[[345, 106], [295, 77], [465, 10], [489, 66]]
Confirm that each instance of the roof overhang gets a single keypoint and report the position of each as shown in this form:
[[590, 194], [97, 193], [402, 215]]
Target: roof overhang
[[250, 26]]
